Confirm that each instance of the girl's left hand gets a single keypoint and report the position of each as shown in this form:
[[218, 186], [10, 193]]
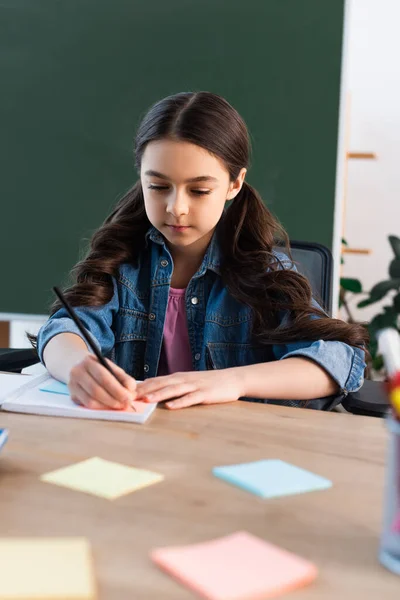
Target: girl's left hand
[[194, 387]]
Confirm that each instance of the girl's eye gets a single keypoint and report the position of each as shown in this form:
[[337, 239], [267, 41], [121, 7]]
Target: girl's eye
[[201, 192], [163, 188], [158, 188]]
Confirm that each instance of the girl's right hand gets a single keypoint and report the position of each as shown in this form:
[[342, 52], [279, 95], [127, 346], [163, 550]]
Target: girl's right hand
[[92, 386]]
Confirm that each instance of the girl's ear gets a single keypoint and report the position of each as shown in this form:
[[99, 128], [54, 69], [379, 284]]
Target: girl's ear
[[236, 186]]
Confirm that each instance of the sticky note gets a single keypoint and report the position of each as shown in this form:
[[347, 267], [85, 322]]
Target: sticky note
[[56, 387], [102, 478], [237, 567], [271, 478], [3, 437], [46, 569]]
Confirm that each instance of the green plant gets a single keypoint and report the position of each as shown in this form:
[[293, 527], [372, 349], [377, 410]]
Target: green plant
[[390, 313]]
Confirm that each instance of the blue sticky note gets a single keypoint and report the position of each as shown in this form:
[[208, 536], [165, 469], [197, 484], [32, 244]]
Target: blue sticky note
[[271, 478], [56, 387], [3, 437]]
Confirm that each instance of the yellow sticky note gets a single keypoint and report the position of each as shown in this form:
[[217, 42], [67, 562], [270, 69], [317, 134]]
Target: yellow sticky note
[[102, 478], [46, 569]]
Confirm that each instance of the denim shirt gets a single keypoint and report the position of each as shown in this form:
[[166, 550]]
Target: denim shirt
[[129, 328]]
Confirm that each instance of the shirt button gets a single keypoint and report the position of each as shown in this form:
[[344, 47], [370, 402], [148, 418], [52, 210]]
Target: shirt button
[[194, 300], [146, 368], [164, 263], [152, 316], [197, 356]]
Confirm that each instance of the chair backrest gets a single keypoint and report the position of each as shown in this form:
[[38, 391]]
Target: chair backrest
[[314, 261]]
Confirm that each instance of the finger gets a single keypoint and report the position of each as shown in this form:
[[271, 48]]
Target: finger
[[172, 391], [94, 405], [157, 383], [126, 380], [185, 401], [109, 390], [73, 394], [117, 379], [81, 397], [97, 392]]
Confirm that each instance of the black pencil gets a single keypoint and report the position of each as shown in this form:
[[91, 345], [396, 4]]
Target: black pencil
[[84, 333]]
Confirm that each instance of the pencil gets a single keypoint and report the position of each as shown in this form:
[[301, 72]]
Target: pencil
[[84, 333]]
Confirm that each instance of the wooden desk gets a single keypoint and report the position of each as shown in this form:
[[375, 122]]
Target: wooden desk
[[338, 529]]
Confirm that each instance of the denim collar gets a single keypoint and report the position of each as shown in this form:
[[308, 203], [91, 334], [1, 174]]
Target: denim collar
[[212, 257]]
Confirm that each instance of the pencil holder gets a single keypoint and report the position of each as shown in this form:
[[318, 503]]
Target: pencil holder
[[389, 553]]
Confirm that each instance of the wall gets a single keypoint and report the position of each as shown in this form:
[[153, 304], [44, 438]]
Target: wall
[[373, 190]]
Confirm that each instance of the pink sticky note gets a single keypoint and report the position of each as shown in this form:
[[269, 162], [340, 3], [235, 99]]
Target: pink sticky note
[[237, 567], [138, 407]]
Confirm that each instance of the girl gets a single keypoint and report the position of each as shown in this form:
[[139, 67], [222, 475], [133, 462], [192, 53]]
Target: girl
[[188, 295]]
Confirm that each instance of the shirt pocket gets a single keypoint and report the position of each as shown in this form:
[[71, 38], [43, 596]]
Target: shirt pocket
[[130, 341]]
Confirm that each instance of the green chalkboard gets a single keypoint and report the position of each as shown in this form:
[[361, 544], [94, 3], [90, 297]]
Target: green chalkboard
[[77, 75]]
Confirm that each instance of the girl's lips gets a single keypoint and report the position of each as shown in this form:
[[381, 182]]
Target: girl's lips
[[179, 227]]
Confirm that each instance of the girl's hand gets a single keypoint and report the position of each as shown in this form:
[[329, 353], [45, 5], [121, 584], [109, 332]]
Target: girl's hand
[[197, 387], [91, 385]]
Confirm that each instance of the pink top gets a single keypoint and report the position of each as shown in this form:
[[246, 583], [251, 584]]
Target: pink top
[[176, 354]]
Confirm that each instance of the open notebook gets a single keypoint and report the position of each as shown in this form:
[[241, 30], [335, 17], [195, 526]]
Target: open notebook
[[43, 395]]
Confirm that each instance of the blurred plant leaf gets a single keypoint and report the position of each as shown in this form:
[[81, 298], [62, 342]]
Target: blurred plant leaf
[[386, 319], [396, 303], [377, 362], [379, 291], [351, 285], [395, 243], [373, 346], [394, 270], [389, 316]]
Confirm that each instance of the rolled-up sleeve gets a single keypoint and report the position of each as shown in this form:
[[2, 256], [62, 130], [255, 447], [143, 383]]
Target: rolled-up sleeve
[[344, 363], [97, 321]]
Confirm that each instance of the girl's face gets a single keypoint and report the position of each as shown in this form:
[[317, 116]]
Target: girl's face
[[185, 189]]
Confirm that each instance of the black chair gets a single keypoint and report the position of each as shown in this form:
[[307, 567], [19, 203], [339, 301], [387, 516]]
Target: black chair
[[314, 261], [371, 400], [13, 360]]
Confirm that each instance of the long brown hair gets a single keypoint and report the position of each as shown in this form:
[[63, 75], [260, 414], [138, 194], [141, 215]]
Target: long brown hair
[[247, 231]]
